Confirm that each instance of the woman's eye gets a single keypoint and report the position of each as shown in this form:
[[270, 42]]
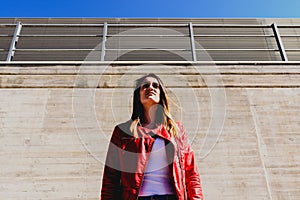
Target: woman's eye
[[146, 85], [155, 85]]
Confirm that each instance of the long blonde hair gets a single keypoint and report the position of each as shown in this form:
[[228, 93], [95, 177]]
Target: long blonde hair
[[163, 115]]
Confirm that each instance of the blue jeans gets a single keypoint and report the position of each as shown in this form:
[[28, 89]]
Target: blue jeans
[[159, 197]]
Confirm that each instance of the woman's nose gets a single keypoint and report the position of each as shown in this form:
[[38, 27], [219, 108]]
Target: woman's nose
[[151, 87]]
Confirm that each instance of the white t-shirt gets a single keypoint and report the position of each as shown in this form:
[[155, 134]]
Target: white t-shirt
[[157, 177]]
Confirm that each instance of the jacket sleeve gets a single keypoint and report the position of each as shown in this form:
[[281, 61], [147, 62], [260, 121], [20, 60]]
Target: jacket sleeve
[[111, 186], [192, 176]]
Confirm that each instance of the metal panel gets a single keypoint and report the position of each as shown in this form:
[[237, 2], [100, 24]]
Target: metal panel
[[284, 31], [7, 30], [57, 55], [231, 30], [148, 42], [61, 30], [59, 42], [148, 30], [291, 42], [232, 42], [5, 42], [146, 55], [3, 55], [238, 55], [293, 55]]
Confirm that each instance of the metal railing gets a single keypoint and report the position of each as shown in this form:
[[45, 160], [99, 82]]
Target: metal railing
[[185, 41]]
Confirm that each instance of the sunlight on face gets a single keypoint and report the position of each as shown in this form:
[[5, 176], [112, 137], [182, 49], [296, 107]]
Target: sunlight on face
[[149, 92]]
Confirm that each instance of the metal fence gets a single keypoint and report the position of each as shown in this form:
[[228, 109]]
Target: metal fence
[[149, 42]]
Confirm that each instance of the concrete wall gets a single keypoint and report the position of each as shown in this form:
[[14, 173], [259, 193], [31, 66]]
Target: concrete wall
[[56, 120]]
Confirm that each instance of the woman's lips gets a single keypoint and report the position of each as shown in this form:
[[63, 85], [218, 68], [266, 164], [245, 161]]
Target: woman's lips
[[150, 93]]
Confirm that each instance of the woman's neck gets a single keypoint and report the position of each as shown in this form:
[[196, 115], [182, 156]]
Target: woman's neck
[[150, 116]]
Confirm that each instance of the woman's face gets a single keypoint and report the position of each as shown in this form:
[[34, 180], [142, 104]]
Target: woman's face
[[149, 91]]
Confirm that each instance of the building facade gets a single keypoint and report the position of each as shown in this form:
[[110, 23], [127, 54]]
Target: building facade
[[65, 84]]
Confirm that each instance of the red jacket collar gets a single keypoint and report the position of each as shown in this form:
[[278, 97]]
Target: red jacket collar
[[160, 131]]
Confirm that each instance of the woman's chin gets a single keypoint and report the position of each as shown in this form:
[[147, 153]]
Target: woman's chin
[[150, 100]]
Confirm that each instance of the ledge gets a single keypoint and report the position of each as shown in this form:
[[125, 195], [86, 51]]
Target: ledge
[[3, 63]]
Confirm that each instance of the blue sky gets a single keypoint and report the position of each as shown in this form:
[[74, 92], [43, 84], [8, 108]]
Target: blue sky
[[151, 8]]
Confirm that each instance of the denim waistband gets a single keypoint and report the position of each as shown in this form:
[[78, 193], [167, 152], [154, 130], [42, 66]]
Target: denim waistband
[[158, 197]]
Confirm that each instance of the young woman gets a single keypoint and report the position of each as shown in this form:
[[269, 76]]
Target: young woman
[[149, 156]]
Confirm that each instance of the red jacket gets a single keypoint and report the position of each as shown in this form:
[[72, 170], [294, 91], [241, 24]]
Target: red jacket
[[127, 158]]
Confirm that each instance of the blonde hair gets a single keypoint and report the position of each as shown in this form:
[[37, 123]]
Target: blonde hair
[[164, 116]]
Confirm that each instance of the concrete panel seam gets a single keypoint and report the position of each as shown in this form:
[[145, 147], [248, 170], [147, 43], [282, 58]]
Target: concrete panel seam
[[260, 143]]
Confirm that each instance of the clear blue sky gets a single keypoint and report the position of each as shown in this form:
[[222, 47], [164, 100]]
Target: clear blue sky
[[151, 8]]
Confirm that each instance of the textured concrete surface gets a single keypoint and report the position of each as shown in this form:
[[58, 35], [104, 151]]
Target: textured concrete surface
[[243, 122]]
